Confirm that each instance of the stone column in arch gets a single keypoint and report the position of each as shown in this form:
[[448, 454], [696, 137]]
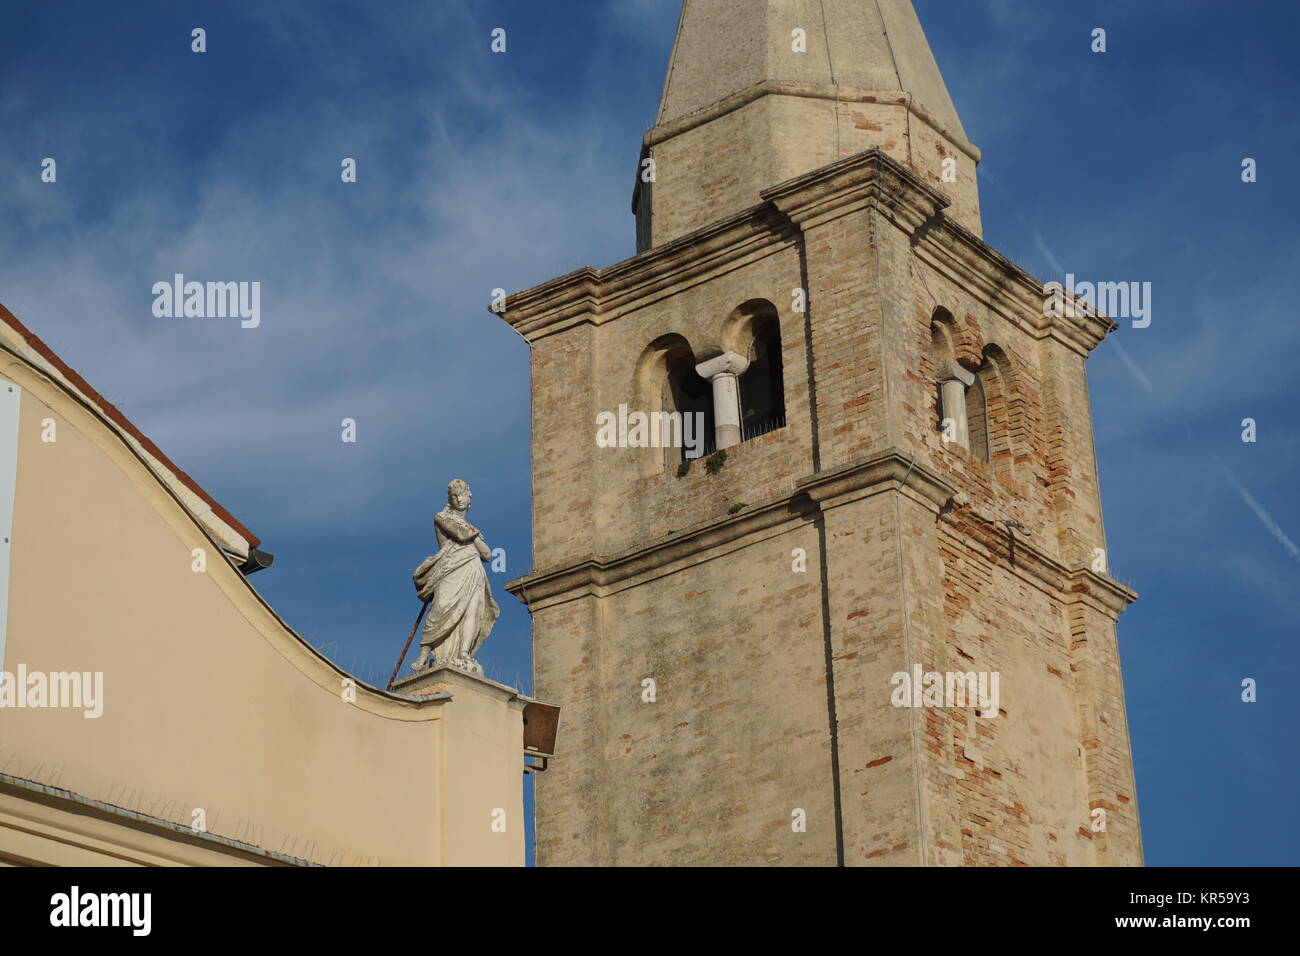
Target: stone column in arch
[[953, 381], [724, 372]]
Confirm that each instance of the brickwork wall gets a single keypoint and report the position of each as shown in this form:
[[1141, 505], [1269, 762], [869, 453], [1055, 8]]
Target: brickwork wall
[[1103, 725], [843, 297], [1018, 788], [715, 170], [736, 740], [878, 752], [564, 463], [1013, 483], [635, 509], [742, 732]]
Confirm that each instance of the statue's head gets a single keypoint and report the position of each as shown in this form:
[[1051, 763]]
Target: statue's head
[[458, 495]]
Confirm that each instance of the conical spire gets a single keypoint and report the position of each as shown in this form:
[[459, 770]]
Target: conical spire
[[759, 91]]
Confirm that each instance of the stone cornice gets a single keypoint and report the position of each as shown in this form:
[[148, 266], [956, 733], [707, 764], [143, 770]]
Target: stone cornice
[[1102, 593], [598, 576], [596, 295], [590, 295], [665, 131], [1013, 291], [875, 177], [1024, 559], [556, 304], [443, 682], [887, 471], [892, 470], [756, 232], [847, 184]]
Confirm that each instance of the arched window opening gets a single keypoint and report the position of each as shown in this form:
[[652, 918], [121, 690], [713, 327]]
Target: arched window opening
[[940, 343], [665, 386], [994, 377], [971, 407], [687, 393], [938, 355], [977, 417], [762, 386]]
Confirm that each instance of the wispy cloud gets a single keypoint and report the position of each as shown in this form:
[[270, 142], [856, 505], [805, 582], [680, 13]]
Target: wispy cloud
[[1264, 517]]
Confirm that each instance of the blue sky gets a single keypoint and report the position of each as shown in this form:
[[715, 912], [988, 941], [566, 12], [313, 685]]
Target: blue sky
[[479, 171]]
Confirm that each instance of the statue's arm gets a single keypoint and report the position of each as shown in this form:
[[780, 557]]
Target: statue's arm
[[460, 531]]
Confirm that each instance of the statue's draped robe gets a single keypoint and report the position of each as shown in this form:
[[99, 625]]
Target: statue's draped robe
[[455, 584]]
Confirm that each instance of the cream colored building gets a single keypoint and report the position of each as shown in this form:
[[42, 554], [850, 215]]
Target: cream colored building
[[221, 738]]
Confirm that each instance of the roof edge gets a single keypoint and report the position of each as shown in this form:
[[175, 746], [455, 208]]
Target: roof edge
[[113, 414]]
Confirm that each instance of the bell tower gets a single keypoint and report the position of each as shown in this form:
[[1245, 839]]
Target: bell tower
[[871, 623], [759, 91]]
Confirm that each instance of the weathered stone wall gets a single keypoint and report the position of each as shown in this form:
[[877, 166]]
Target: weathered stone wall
[[736, 738], [639, 500], [757, 93], [716, 169], [774, 685]]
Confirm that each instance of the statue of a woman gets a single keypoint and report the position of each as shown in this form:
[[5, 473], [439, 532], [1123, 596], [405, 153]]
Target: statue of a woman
[[461, 608]]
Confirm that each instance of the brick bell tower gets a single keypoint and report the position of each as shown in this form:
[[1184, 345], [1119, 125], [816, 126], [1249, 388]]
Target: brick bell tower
[[908, 488]]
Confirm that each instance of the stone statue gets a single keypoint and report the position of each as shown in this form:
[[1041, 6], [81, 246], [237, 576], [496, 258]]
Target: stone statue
[[461, 607]]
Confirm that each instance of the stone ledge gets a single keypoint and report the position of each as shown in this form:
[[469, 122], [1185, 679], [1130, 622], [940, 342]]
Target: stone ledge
[[889, 471], [442, 682], [600, 576], [592, 296], [865, 477], [837, 188]]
